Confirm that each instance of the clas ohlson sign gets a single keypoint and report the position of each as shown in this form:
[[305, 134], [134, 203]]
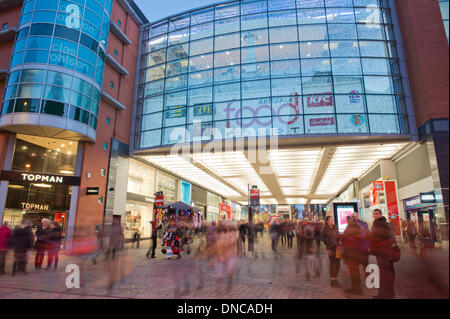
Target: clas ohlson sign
[[26, 177]]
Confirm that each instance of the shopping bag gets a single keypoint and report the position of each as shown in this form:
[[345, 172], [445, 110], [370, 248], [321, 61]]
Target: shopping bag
[[339, 251]]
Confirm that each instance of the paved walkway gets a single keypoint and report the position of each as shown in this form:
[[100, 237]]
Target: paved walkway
[[264, 275]]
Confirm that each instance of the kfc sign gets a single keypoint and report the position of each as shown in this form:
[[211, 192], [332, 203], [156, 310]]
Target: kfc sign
[[321, 99], [324, 121]]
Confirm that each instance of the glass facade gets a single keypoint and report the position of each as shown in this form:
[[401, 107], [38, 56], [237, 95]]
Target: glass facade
[[58, 59], [303, 67], [443, 4]]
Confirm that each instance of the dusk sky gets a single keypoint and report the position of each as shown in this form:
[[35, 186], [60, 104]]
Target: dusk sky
[[158, 9]]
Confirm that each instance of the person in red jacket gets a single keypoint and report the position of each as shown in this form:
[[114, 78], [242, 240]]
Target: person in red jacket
[[5, 240]]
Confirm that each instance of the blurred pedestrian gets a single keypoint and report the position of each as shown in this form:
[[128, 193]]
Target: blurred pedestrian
[[299, 234], [365, 235], [273, 232], [309, 234], [22, 240], [115, 238], [42, 242], [317, 230], [54, 245], [290, 233], [425, 240], [382, 241], [5, 245], [412, 233], [354, 254], [329, 235]]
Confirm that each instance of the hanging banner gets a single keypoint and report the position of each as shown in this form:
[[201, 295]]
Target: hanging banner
[[392, 205]]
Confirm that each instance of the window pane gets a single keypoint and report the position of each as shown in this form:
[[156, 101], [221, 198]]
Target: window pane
[[253, 108], [175, 116], [203, 16], [150, 138], [82, 86], [200, 63], [36, 56], [231, 57], [201, 95], [311, 16], [383, 124], [314, 49], [54, 108], [175, 99], [178, 52], [370, 15], [370, 31], [254, 89], [56, 93], [255, 54], [353, 102], [44, 44], [378, 84], [309, 3], [179, 37], [314, 32], [280, 18], [156, 57], [289, 86], [249, 7], [316, 67], [373, 49], [316, 124], [227, 92], [381, 104], [285, 68], [176, 83], [202, 46], [354, 123], [32, 76], [200, 78], [201, 31], [376, 66], [179, 23], [344, 49], [227, 11], [227, 26], [228, 41], [154, 87], [255, 21], [227, 74], [157, 43], [30, 91], [151, 121], [250, 38], [177, 67], [319, 103], [342, 31], [227, 110], [153, 104], [255, 71], [174, 135], [285, 34], [346, 66], [284, 51], [158, 29], [340, 15], [346, 84], [317, 85]]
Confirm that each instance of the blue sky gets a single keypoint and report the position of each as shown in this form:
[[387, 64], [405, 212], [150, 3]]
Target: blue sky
[[158, 9]]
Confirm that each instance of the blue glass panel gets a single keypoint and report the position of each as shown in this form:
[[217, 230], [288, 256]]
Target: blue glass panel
[[177, 67], [376, 66], [344, 49], [284, 51], [256, 108], [80, 100], [20, 45], [10, 92], [387, 124], [283, 34], [353, 102], [154, 87], [85, 68], [202, 16], [341, 31], [228, 41], [153, 104], [95, 7], [311, 16], [309, 3], [373, 49], [231, 57], [257, 37], [200, 95], [227, 74], [90, 30], [36, 76], [87, 54], [381, 104], [313, 32], [42, 43], [285, 68], [36, 56], [179, 23], [13, 77], [314, 50], [346, 66], [255, 71], [338, 3], [174, 135], [200, 63], [200, 78], [17, 58], [56, 93], [317, 85], [151, 121], [178, 37], [227, 26], [176, 83], [255, 54], [378, 85], [46, 5], [82, 86], [227, 92], [276, 5], [249, 7], [280, 18], [340, 15], [176, 99], [316, 67], [227, 11], [348, 84], [255, 89], [288, 86], [202, 31], [32, 91], [25, 18], [150, 138], [254, 21], [44, 17], [371, 31]]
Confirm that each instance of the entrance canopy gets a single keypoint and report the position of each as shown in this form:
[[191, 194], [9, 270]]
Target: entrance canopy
[[300, 175]]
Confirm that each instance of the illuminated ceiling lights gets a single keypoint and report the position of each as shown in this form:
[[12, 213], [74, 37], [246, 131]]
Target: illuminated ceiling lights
[[351, 162]]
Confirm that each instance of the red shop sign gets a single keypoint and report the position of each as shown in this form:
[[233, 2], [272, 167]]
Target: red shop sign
[[321, 99], [324, 121], [159, 200]]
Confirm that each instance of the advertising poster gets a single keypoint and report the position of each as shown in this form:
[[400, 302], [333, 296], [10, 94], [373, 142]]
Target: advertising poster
[[341, 211], [392, 205]]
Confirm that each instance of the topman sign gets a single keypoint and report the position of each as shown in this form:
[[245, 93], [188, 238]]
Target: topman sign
[[25, 177]]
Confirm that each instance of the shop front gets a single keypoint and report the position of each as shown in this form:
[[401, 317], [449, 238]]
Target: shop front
[[421, 209], [199, 200], [40, 181]]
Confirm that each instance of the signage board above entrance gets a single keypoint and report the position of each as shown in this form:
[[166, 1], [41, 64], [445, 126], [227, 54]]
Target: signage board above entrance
[[27, 177]]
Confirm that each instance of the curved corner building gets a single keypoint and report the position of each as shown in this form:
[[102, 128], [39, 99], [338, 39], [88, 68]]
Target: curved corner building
[[56, 72], [306, 68]]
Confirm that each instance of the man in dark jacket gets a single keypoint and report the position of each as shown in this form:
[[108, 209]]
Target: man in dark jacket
[[354, 254], [382, 239], [5, 239], [42, 242], [22, 240], [54, 244]]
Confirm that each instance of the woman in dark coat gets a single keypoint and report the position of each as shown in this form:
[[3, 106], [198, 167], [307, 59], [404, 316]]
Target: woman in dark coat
[[22, 241], [329, 235], [354, 255], [54, 244], [42, 242]]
